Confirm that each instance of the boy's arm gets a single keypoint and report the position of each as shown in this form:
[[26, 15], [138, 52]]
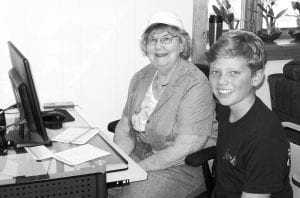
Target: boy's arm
[[250, 195]]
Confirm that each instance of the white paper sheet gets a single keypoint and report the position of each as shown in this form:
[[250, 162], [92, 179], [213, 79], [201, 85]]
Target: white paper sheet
[[72, 156], [76, 135], [39, 152], [80, 154]]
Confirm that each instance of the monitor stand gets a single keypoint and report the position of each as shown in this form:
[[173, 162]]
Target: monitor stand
[[20, 139]]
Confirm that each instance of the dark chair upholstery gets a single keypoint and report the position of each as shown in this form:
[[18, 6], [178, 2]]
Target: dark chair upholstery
[[204, 68], [285, 92], [285, 96], [112, 126], [200, 158]]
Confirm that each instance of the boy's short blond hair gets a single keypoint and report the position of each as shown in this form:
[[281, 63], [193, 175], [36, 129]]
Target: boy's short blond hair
[[239, 43]]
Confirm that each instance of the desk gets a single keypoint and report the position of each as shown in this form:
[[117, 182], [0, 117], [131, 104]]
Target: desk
[[22, 176], [132, 174]]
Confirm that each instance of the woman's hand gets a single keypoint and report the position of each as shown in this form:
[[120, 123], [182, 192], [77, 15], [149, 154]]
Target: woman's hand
[[122, 137]]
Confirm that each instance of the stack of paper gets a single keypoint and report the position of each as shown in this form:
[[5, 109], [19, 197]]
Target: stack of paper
[[73, 156], [76, 135], [39, 152]]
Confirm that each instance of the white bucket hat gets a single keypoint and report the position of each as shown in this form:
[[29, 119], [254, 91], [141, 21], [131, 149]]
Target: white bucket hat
[[165, 17]]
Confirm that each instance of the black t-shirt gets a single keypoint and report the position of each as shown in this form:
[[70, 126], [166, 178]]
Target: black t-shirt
[[252, 154]]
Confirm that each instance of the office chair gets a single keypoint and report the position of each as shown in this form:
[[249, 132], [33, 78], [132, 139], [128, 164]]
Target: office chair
[[285, 92], [200, 158], [295, 156], [285, 101]]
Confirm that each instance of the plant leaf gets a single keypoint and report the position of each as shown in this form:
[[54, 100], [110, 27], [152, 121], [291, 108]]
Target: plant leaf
[[280, 13], [216, 10], [227, 4], [270, 12], [262, 7], [219, 3], [230, 17], [297, 5], [223, 10], [293, 5]]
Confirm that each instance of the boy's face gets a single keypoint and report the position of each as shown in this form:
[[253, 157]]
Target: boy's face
[[233, 83]]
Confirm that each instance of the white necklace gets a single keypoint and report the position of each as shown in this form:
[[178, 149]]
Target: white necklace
[[162, 83]]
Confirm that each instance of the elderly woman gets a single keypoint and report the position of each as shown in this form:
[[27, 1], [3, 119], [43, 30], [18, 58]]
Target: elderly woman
[[168, 114]]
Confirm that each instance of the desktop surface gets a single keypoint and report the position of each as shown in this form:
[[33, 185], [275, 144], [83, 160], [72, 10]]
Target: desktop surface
[[114, 161], [19, 168], [14, 167]]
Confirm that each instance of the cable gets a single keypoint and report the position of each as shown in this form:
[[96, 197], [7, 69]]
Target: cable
[[17, 123]]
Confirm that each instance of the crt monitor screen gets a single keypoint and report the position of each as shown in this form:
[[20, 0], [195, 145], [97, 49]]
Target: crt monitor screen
[[34, 132]]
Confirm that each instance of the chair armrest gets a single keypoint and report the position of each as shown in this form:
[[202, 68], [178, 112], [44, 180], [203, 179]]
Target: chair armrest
[[296, 179], [292, 131], [291, 125], [112, 126], [198, 158]]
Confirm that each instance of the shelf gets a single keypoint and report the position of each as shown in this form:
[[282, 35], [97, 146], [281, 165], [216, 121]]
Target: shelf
[[283, 48]]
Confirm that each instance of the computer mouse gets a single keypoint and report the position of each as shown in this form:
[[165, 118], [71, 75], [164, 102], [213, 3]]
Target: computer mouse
[[53, 119]]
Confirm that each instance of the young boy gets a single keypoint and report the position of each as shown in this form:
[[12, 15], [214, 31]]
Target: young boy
[[252, 149]]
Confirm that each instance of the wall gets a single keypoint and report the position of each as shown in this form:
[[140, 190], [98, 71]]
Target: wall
[[84, 51]]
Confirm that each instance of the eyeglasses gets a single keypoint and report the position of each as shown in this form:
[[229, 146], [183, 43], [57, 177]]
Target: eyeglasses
[[167, 39]]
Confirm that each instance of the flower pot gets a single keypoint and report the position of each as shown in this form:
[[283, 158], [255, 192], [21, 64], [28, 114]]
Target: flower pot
[[269, 37]]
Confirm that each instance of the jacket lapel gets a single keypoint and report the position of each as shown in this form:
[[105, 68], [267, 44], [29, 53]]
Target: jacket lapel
[[171, 88], [143, 86]]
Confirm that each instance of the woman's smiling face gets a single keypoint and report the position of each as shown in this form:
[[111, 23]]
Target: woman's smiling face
[[163, 49]]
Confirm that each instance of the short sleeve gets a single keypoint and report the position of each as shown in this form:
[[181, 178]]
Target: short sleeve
[[196, 111], [266, 165]]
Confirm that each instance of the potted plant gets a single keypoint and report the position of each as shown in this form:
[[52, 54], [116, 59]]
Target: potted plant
[[296, 7], [225, 10], [271, 33]]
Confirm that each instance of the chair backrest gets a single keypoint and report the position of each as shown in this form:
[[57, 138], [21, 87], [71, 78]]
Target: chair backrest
[[285, 92], [112, 126], [204, 68]]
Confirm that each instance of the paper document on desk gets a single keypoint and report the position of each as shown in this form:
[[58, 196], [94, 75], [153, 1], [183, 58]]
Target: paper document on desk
[[72, 156], [80, 154], [39, 152], [76, 135]]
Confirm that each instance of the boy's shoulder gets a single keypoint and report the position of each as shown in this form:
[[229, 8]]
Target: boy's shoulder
[[262, 111], [264, 119]]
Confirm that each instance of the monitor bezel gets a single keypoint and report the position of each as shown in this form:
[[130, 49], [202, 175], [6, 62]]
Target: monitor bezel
[[21, 66]]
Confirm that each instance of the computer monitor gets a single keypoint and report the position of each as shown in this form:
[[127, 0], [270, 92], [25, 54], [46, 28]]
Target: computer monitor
[[33, 132]]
